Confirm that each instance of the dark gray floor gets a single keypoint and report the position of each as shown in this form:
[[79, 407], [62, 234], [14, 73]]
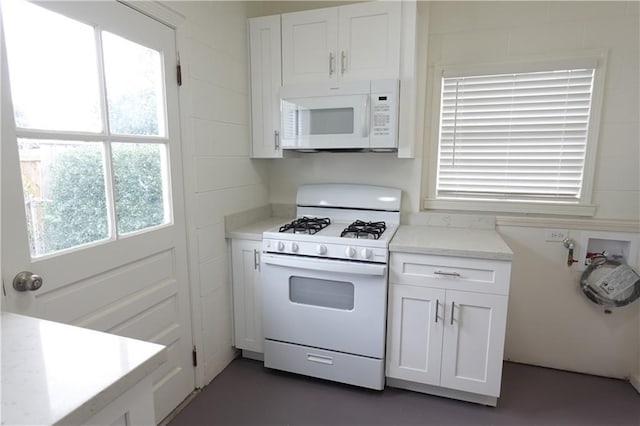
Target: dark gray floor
[[246, 393]]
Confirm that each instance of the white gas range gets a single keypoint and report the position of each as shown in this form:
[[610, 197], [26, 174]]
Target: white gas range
[[325, 283]]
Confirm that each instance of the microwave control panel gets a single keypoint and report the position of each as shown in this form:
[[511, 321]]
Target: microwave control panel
[[381, 116], [384, 114]]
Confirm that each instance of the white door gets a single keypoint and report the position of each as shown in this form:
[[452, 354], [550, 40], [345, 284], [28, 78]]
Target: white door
[[309, 41], [369, 43], [98, 212], [473, 342], [414, 348]]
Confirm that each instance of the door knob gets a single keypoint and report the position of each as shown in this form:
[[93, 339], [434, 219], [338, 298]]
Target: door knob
[[27, 281]]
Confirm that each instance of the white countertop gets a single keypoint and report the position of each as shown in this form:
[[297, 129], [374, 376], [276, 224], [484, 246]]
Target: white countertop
[[254, 230], [55, 373], [449, 241]]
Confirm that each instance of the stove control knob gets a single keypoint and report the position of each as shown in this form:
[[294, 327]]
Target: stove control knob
[[294, 247], [321, 249], [366, 253], [280, 246], [350, 252]]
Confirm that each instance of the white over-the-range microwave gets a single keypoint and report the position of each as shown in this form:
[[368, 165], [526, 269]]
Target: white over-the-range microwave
[[355, 115]]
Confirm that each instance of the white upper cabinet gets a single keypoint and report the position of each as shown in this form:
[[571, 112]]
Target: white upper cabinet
[[369, 40], [354, 42], [309, 42], [266, 74]]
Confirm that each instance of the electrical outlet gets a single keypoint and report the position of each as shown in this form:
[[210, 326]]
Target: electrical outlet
[[555, 234]]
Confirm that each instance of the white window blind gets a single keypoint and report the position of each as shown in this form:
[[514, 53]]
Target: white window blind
[[519, 137]]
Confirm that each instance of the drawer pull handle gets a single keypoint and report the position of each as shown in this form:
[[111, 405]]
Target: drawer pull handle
[[320, 359], [437, 304], [453, 305], [448, 274]]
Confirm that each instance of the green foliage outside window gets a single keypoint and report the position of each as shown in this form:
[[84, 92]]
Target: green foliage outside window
[[76, 211]]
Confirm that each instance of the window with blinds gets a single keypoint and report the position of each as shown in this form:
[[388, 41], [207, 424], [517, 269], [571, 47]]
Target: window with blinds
[[515, 137]]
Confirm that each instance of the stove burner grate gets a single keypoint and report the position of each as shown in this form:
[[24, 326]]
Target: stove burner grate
[[306, 225], [361, 229]]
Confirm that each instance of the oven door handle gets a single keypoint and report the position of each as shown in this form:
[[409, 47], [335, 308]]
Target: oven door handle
[[325, 265]]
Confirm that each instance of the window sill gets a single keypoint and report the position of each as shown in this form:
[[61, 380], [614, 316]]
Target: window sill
[[524, 208]]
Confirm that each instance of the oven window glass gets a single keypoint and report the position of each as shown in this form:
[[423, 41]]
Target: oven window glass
[[325, 293], [326, 121]]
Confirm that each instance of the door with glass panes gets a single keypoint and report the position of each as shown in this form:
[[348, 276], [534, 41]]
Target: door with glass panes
[[92, 196]]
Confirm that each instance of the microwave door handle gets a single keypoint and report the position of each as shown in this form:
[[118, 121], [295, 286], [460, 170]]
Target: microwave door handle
[[367, 117]]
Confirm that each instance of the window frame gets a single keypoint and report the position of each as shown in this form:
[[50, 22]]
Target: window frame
[[584, 59]]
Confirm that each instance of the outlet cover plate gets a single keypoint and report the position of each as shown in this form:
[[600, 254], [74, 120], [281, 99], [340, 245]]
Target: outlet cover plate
[[555, 235]]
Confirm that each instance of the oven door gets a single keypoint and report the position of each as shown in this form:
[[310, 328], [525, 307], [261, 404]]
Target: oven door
[[328, 304]]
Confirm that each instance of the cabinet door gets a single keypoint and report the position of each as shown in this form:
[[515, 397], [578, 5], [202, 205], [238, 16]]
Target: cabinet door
[[369, 40], [247, 295], [264, 44], [309, 42], [473, 342], [415, 322]]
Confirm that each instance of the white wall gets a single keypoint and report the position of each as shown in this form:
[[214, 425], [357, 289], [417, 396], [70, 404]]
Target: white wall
[[370, 168], [219, 176]]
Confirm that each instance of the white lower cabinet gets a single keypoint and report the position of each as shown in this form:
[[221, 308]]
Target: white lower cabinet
[[247, 295], [134, 407], [414, 350], [447, 341]]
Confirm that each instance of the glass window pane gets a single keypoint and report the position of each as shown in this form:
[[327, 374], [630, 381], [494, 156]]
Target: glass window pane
[[64, 194], [53, 69], [140, 176], [134, 87]]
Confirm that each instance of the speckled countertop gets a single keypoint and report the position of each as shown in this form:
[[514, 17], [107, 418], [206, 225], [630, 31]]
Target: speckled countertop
[[55, 373], [254, 231], [448, 241]]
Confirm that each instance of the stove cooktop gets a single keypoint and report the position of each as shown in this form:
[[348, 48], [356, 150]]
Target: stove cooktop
[[333, 241], [306, 225]]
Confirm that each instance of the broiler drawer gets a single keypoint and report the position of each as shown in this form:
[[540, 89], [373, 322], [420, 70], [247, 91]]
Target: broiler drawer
[[450, 272]]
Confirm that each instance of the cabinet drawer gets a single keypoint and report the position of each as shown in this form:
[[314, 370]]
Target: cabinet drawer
[[449, 272]]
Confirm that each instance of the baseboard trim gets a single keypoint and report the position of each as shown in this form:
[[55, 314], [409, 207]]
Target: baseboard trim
[[180, 407], [257, 356], [635, 381], [444, 392]]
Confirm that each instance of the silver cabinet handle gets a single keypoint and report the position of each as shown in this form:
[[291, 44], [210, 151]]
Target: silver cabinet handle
[[256, 259], [27, 281], [276, 139], [437, 303], [448, 274], [331, 63], [343, 58], [453, 305]]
